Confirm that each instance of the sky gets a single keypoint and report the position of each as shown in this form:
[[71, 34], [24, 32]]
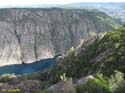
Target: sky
[[35, 2]]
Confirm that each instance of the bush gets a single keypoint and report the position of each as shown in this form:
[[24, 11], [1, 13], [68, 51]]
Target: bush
[[5, 77], [8, 75], [43, 91], [117, 82], [68, 86], [101, 84], [94, 85]]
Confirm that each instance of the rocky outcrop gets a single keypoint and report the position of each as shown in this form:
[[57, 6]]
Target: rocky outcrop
[[27, 35], [63, 87], [84, 80], [28, 86]]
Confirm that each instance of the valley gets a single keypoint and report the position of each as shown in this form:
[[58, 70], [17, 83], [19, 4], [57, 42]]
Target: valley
[[28, 35], [62, 49]]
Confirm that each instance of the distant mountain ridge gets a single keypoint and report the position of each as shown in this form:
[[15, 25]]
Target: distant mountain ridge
[[115, 9], [119, 4]]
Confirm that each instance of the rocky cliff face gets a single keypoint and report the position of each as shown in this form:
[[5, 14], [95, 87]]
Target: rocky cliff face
[[27, 35]]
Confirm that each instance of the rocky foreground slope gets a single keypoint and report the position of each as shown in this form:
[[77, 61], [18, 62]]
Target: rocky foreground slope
[[27, 35]]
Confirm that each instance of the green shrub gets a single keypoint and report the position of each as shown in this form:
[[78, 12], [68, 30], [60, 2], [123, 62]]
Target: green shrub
[[43, 91], [69, 86], [117, 82], [95, 85], [91, 87], [5, 77], [8, 75], [102, 81], [101, 84]]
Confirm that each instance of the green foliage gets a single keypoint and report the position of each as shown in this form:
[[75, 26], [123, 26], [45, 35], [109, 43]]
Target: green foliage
[[69, 86], [102, 81], [117, 45], [43, 91], [101, 84], [117, 82], [94, 86], [71, 51], [63, 77], [6, 77], [79, 65]]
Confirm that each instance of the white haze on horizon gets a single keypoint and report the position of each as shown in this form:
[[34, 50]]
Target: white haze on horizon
[[38, 2]]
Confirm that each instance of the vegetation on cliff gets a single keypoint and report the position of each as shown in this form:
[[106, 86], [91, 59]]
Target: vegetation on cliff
[[103, 55]]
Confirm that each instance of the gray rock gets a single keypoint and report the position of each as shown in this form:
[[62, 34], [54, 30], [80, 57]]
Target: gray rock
[[29, 86], [62, 87], [84, 80], [27, 35]]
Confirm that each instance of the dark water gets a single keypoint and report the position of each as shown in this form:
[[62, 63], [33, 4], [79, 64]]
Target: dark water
[[36, 66]]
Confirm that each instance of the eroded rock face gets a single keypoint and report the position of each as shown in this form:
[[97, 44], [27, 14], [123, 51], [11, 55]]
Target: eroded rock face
[[27, 35]]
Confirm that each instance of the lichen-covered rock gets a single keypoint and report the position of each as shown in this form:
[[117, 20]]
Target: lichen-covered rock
[[62, 87], [29, 86], [84, 80]]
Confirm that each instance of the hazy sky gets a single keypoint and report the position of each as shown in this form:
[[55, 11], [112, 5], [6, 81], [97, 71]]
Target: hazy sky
[[34, 2]]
